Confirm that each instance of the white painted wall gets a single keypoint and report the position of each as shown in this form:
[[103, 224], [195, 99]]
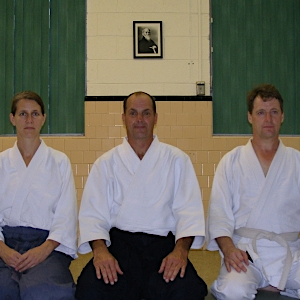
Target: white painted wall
[[111, 68]]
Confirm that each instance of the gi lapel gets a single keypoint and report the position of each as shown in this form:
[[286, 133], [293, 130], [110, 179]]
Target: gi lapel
[[263, 198], [26, 178], [141, 192]]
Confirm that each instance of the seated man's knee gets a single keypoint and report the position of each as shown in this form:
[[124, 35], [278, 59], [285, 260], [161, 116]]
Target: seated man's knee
[[234, 285], [190, 287]]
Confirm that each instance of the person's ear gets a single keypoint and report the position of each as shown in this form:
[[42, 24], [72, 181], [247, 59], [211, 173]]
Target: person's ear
[[12, 119]]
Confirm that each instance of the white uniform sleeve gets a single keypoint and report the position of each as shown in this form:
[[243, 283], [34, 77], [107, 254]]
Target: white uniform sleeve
[[94, 213], [220, 220], [64, 224], [187, 204]]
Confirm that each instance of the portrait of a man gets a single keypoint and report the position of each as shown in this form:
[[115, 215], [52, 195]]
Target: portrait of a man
[[146, 44], [147, 39]]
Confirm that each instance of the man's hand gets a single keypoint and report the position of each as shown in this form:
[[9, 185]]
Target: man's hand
[[35, 255], [9, 256], [233, 257], [104, 263], [177, 260]]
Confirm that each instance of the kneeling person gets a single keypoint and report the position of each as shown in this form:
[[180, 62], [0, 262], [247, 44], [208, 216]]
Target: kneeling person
[[140, 213], [38, 213]]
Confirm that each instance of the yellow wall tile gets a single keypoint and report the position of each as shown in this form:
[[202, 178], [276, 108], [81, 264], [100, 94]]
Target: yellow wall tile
[[195, 119], [183, 144], [77, 157], [200, 107], [220, 143], [93, 119], [163, 131], [202, 156], [207, 144], [195, 144], [206, 193], [96, 144], [203, 182], [82, 169], [189, 132], [202, 132], [118, 119], [214, 156], [90, 132], [207, 118], [163, 107], [108, 120], [101, 107], [168, 119], [89, 157], [58, 144], [183, 119], [78, 182], [70, 145], [114, 131], [82, 144], [115, 107], [208, 169], [102, 131], [189, 107], [89, 106], [107, 144], [176, 131], [176, 107]]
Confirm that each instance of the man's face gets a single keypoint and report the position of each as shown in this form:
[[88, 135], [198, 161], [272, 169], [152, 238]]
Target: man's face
[[266, 118], [139, 118], [146, 34]]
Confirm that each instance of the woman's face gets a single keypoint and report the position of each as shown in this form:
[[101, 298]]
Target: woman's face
[[28, 119]]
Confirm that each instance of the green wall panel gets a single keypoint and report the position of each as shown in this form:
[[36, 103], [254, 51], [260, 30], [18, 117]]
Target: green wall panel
[[31, 63], [254, 41], [67, 23], [45, 53], [6, 63]]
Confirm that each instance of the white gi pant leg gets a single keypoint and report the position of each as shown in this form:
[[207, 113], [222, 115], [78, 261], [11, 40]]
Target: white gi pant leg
[[233, 285], [293, 282]]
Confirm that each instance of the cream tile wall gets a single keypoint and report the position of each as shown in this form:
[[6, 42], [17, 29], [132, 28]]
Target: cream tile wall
[[111, 70]]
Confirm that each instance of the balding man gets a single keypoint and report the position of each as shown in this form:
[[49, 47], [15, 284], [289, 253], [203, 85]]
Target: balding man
[[141, 212]]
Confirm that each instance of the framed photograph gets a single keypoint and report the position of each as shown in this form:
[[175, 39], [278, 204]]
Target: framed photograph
[[147, 39]]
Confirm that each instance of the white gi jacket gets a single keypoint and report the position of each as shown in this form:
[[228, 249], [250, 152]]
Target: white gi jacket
[[155, 195], [243, 197], [41, 195]]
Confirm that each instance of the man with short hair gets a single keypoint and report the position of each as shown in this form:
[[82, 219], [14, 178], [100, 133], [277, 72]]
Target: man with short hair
[[254, 213], [140, 213]]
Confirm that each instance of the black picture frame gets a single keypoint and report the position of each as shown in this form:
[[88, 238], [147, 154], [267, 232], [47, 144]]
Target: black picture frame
[[147, 39]]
